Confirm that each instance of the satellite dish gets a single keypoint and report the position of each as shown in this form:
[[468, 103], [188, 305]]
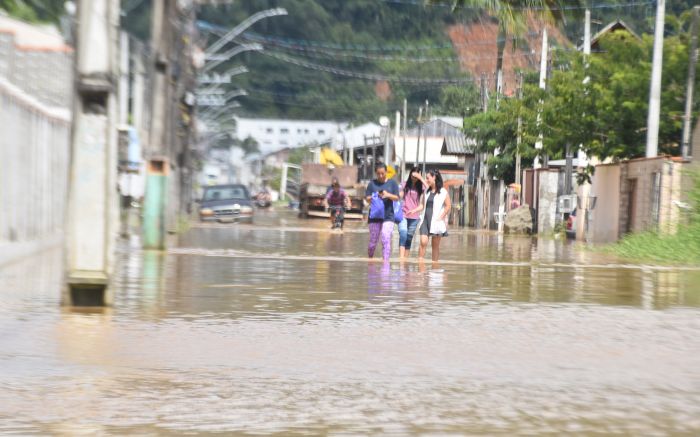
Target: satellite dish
[[384, 121]]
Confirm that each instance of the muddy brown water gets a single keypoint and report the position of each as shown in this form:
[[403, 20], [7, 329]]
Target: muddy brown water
[[285, 328]]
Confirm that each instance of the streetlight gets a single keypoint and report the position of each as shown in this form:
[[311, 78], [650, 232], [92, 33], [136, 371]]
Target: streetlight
[[218, 100], [218, 59], [216, 79], [233, 33], [212, 114]]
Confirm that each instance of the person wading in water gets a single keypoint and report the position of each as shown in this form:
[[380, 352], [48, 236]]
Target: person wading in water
[[412, 194], [436, 207], [388, 192]]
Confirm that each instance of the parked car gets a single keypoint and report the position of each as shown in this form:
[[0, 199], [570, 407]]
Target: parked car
[[571, 225], [226, 203]]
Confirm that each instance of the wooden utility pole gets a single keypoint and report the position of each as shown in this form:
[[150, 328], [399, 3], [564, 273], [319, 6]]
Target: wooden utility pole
[[686, 151], [93, 208]]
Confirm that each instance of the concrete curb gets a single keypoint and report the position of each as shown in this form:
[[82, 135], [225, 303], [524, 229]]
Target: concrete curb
[[14, 252]]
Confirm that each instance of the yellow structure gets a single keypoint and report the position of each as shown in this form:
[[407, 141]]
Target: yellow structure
[[329, 156]]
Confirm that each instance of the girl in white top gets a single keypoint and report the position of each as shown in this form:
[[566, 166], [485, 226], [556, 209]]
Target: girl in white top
[[436, 206]]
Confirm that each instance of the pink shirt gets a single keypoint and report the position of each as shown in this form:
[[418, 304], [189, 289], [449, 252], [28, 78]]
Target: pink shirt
[[411, 200]]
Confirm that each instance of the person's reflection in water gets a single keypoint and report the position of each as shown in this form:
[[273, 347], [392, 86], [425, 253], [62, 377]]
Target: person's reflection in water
[[379, 278], [434, 278]]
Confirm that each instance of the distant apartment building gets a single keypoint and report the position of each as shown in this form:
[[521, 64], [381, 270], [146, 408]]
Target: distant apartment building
[[276, 134]]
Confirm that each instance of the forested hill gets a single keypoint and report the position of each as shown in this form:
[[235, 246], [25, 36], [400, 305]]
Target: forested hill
[[361, 42], [355, 59], [365, 41]]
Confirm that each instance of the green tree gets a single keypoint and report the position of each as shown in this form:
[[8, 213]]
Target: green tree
[[606, 115], [34, 10], [249, 145], [460, 100], [496, 132]]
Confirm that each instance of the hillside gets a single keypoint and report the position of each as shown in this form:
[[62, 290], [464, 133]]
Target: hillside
[[355, 60]]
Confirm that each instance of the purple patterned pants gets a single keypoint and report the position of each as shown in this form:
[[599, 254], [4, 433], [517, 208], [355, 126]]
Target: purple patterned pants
[[385, 229]]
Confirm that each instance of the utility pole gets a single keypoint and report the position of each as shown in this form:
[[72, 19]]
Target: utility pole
[[425, 137], [397, 132], [519, 138], [686, 152], [93, 208], [582, 158], [652, 148], [420, 126], [158, 164], [543, 84], [403, 157]]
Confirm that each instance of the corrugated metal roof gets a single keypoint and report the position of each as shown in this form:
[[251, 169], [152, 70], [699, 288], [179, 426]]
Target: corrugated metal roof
[[458, 145], [436, 128]]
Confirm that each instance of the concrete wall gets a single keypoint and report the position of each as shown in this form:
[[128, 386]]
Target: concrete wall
[[644, 213], [548, 196], [603, 226], [34, 152], [44, 74]]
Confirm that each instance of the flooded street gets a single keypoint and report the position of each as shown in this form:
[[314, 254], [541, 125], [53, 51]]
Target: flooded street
[[285, 328]]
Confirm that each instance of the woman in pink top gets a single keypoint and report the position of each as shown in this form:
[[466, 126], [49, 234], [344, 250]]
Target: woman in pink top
[[411, 192]]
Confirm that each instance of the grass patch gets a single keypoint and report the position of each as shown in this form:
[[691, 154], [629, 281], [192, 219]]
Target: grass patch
[[680, 248]]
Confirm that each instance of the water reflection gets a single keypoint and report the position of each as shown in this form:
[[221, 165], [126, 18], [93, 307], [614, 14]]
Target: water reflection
[[291, 329]]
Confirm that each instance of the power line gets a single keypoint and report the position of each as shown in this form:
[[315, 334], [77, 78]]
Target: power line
[[515, 8], [311, 44], [358, 57], [295, 43], [361, 75]]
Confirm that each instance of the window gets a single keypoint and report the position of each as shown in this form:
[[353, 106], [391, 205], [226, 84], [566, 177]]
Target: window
[[269, 130], [284, 130], [298, 131], [306, 131], [224, 193], [321, 132]]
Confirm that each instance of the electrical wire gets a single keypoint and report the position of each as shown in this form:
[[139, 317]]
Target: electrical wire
[[515, 8], [361, 75]]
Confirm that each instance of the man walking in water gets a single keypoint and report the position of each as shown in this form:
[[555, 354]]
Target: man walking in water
[[388, 192]]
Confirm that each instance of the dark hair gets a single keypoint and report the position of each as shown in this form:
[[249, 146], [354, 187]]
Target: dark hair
[[410, 185], [378, 166], [438, 179]]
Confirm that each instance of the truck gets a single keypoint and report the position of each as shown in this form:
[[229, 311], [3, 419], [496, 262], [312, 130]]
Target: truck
[[316, 181]]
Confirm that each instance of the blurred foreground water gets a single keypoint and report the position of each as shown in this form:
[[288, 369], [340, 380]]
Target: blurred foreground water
[[283, 327]]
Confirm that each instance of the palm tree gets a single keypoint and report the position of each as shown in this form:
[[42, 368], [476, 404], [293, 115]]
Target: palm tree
[[512, 19]]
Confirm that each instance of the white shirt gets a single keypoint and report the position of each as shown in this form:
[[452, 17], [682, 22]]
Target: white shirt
[[437, 226]]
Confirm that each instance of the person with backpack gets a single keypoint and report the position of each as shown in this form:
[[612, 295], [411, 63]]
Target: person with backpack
[[436, 207], [381, 194]]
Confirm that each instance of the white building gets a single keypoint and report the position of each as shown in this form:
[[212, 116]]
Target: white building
[[275, 134], [354, 137]]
